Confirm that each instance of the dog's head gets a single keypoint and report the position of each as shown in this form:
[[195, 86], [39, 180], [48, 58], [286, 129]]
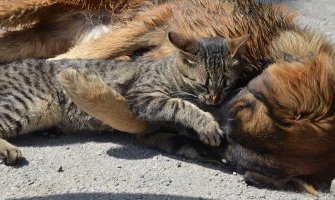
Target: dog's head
[[282, 125]]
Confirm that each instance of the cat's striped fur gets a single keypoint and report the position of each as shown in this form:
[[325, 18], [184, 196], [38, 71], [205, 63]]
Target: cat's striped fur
[[31, 98]]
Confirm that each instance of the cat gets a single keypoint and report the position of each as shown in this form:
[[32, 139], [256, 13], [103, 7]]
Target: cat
[[168, 90]]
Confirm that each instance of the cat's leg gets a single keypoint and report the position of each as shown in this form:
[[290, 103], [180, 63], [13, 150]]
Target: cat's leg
[[8, 152], [14, 124], [21, 113], [92, 95], [144, 31], [183, 146], [9, 126], [157, 106]]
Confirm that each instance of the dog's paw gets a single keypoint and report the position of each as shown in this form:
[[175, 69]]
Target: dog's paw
[[84, 84]]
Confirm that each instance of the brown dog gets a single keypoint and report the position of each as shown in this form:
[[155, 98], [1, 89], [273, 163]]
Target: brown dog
[[279, 127]]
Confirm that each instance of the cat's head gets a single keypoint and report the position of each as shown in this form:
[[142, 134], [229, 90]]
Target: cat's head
[[209, 65]]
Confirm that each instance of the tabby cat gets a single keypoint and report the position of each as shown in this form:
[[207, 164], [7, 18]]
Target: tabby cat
[[168, 90]]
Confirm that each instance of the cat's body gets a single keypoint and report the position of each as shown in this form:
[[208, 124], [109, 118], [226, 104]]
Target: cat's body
[[32, 98]]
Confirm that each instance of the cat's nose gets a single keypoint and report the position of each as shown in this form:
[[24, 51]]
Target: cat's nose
[[213, 99]]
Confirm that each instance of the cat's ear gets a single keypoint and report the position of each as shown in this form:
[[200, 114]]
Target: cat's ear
[[186, 45], [237, 45]]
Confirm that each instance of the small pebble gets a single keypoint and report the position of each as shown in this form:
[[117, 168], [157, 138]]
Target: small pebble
[[60, 169], [234, 173], [142, 176], [168, 182]]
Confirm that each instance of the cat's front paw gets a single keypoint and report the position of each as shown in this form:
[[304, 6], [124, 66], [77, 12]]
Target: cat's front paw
[[9, 153], [211, 133]]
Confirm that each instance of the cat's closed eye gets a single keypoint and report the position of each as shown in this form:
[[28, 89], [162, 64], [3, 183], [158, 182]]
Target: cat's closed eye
[[189, 62]]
